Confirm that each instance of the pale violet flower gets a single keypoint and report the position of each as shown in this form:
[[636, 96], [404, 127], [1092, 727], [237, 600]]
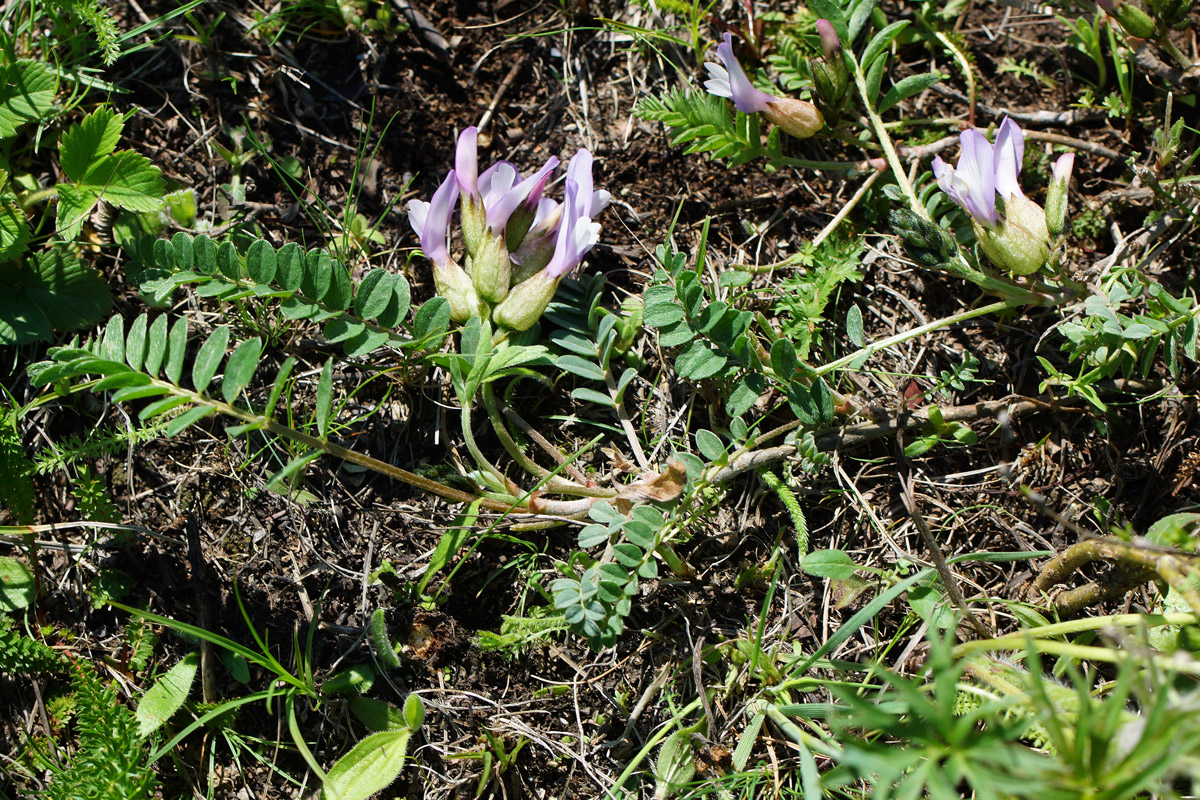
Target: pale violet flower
[[546, 260], [518, 244], [431, 220], [1014, 235], [983, 171], [799, 118], [728, 79]]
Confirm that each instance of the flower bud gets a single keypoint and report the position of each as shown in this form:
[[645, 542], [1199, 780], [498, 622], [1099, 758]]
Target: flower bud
[[1135, 21], [928, 244], [831, 45], [1019, 242], [492, 269], [526, 302], [798, 118], [455, 285], [533, 256], [1056, 194], [473, 223]]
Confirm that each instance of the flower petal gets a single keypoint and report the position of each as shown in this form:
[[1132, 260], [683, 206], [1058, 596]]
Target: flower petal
[[748, 99], [975, 176], [466, 161], [718, 80], [436, 220], [1009, 151]]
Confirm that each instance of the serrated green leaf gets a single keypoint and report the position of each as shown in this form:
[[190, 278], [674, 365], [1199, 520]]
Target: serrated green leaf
[[14, 231], [126, 179], [75, 203], [324, 398], [370, 766], [208, 358], [240, 368], [26, 94], [54, 290], [90, 139], [166, 696]]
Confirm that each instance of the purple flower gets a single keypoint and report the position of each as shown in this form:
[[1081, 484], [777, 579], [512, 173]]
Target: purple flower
[[1015, 237], [576, 232], [731, 81], [431, 220], [503, 191], [983, 171]]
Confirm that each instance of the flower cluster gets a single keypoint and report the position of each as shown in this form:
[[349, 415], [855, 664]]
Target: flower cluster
[[798, 118], [1013, 231], [518, 244]]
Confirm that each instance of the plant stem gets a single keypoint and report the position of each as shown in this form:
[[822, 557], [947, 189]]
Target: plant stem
[[885, 141], [550, 482], [30, 199], [921, 330], [1022, 638]]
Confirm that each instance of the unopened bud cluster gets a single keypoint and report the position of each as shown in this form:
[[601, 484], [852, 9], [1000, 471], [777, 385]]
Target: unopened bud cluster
[[831, 79], [517, 244]]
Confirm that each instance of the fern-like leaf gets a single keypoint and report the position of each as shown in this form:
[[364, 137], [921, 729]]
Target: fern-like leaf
[[703, 122], [790, 62], [20, 655], [111, 759], [100, 20]]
